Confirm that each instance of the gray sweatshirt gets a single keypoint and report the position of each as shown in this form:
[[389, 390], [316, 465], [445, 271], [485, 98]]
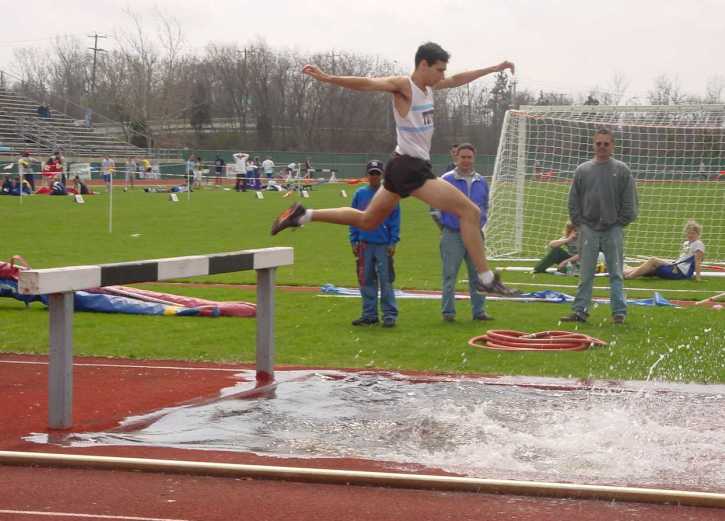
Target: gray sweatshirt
[[603, 195]]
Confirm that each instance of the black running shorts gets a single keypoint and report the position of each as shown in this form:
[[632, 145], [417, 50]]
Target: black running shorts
[[405, 174]]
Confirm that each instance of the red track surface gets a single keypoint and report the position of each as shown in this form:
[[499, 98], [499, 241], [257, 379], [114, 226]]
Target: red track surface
[[106, 395]]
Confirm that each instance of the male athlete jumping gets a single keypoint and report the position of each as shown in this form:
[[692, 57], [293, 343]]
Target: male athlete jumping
[[409, 171]]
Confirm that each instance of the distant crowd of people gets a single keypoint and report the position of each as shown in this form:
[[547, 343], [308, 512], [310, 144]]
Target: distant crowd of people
[[249, 173], [55, 175]]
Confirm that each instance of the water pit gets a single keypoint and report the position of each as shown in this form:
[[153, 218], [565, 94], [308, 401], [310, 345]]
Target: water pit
[[632, 433]]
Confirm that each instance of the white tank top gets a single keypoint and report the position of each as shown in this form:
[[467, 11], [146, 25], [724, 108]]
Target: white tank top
[[415, 130]]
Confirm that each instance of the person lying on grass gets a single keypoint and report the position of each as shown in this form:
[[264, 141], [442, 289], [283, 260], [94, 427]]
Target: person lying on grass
[[689, 262]]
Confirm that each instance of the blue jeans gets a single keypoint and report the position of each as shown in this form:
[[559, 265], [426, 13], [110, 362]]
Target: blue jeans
[[453, 252], [611, 243], [375, 270]]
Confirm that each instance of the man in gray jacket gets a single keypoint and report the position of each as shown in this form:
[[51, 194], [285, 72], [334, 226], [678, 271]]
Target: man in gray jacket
[[602, 201]]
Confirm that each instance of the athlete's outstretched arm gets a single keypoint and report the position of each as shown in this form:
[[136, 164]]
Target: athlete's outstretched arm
[[388, 84], [467, 77]]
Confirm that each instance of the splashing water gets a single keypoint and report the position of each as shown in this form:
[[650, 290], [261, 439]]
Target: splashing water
[[654, 366], [621, 435]]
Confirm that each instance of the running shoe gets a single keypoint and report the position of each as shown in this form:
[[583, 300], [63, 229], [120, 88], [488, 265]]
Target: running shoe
[[573, 317], [496, 287], [388, 322], [288, 219], [364, 321]]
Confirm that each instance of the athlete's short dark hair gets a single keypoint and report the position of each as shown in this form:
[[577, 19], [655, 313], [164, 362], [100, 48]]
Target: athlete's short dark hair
[[606, 132], [431, 53], [466, 146]]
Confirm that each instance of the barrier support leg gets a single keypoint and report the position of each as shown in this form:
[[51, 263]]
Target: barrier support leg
[[265, 325], [60, 364]]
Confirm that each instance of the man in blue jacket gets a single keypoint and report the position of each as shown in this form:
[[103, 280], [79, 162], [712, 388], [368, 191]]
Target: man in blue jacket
[[374, 250], [453, 251]]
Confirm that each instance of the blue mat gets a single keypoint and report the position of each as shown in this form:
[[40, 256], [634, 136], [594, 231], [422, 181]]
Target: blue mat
[[547, 295]]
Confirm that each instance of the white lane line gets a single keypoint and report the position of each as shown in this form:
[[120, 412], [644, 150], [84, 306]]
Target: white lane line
[[166, 367], [86, 516]]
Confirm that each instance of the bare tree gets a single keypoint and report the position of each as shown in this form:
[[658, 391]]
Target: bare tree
[[666, 91], [142, 63], [172, 62], [259, 93], [618, 86], [714, 89], [229, 66], [59, 76], [33, 66], [553, 98], [200, 109], [261, 67]]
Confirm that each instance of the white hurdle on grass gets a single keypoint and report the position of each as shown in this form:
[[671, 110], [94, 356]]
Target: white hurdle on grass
[[60, 283]]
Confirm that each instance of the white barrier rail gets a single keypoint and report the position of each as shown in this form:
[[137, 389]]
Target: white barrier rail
[[59, 284]]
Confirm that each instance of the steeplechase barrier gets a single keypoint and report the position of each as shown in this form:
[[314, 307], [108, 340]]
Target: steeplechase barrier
[[60, 283]]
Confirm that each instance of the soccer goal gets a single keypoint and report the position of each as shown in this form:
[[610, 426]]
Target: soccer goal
[[676, 153]]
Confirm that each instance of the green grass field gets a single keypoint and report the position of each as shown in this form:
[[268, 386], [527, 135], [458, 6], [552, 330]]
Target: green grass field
[[682, 344]]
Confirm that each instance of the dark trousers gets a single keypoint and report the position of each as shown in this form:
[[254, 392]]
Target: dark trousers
[[241, 185], [554, 256], [375, 270]]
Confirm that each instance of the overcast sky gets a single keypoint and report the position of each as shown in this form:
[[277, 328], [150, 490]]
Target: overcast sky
[[560, 45]]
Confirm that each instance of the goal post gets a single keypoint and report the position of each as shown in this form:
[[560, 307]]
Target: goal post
[[676, 154]]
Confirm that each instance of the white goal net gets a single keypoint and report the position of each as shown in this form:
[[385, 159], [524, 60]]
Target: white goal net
[[676, 154]]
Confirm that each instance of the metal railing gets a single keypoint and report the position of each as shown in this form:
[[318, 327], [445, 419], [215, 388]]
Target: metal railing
[[7, 80]]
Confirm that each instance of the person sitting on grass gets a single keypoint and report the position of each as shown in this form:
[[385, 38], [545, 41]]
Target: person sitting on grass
[[57, 188], [12, 187], [689, 262], [52, 171], [563, 252], [6, 186], [79, 187]]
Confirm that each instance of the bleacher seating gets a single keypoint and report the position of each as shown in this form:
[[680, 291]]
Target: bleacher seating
[[21, 128]]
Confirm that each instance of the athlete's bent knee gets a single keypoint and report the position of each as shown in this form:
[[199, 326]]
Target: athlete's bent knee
[[370, 222]]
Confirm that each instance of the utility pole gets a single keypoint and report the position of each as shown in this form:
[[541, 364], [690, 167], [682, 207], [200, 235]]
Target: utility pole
[[245, 87], [95, 50], [88, 116]]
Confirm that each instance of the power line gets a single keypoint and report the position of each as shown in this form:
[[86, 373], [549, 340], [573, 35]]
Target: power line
[[11, 43]]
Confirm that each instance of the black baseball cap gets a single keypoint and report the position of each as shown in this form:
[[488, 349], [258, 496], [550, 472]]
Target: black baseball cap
[[375, 166]]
